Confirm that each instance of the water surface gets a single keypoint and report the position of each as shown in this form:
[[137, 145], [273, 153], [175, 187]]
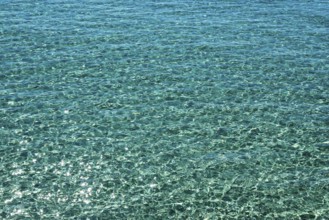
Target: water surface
[[164, 109]]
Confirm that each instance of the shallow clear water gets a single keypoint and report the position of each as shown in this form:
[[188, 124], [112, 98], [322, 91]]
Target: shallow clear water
[[164, 109]]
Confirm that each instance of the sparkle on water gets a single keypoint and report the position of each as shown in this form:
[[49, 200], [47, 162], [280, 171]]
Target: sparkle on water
[[164, 109]]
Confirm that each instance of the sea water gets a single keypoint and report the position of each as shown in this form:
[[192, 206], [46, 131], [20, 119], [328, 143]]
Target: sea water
[[164, 109]]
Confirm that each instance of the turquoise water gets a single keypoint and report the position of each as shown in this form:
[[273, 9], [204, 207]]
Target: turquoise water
[[164, 109]]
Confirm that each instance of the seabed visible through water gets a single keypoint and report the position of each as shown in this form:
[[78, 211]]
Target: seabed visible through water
[[164, 109]]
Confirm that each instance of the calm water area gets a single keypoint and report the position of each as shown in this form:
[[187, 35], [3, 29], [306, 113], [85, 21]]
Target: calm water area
[[164, 109]]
